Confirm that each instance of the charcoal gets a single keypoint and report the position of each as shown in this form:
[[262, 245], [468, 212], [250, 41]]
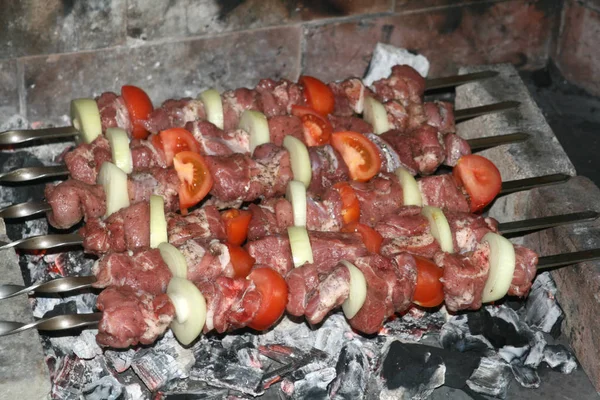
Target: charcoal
[[536, 351], [558, 357], [510, 353], [119, 360], [314, 385], [456, 335], [83, 346], [249, 357], [541, 309], [413, 325], [352, 373], [501, 326], [526, 376], [105, 388], [330, 340], [491, 377], [187, 389], [165, 361], [409, 373]]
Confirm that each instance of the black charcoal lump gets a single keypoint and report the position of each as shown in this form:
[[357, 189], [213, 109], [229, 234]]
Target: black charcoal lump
[[352, 374]]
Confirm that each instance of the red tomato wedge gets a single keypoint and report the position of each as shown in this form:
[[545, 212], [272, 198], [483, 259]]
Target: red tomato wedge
[[318, 95], [480, 178], [359, 153], [274, 292], [350, 203], [317, 129], [240, 259], [371, 238], [429, 291], [236, 225], [173, 141], [196, 180], [139, 106]]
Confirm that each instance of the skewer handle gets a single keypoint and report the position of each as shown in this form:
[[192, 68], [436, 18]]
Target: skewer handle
[[56, 323], [33, 173], [27, 135], [59, 285]]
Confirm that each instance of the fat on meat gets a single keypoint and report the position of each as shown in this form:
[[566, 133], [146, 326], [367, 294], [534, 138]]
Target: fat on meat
[[113, 112], [85, 160], [442, 191], [378, 197], [206, 259], [201, 223], [328, 167], [175, 113], [132, 317], [404, 84], [525, 269]]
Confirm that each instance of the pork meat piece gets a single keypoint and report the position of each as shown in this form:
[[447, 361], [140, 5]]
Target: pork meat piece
[[378, 197], [328, 168], [144, 155], [231, 303], [331, 292], [406, 230], [202, 223], [273, 251], [73, 200], [85, 160], [354, 124], [130, 317], [468, 229], [277, 98], [404, 84], [440, 115], [240, 177], [175, 113], [390, 159], [206, 259], [398, 116], [113, 112], [235, 102], [216, 142], [456, 147], [525, 269], [142, 270], [349, 97], [464, 277], [158, 181], [443, 192], [281, 126], [401, 144], [127, 229], [270, 217]]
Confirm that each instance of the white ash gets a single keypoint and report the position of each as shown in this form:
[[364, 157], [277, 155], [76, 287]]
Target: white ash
[[526, 376], [536, 352], [559, 358], [84, 303], [83, 346], [105, 388], [119, 360], [314, 385], [492, 377], [385, 56], [135, 392], [542, 309], [456, 335]]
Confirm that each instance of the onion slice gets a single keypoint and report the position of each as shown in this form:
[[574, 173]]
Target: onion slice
[[190, 310], [174, 259], [158, 222], [300, 245], [440, 229], [376, 115], [213, 107], [296, 194], [299, 158], [255, 123], [358, 291], [114, 181], [85, 117], [119, 146], [502, 267], [410, 188]]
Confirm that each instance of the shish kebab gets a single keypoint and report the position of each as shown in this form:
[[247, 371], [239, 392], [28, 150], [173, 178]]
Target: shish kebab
[[116, 109], [343, 272]]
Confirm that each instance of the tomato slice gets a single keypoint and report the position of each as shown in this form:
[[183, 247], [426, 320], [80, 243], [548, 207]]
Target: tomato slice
[[317, 130], [236, 225], [241, 260], [274, 292], [371, 238], [480, 178], [429, 291], [173, 141], [350, 203], [359, 153], [196, 180], [318, 95], [139, 106]]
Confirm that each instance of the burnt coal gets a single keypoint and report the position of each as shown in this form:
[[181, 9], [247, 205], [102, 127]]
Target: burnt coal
[[536, 351], [541, 309], [352, 374], [491, 377], [501, 326], [526, 376], [559, 358], [105, 388], [456, 335], [314, 385], [409, 372]]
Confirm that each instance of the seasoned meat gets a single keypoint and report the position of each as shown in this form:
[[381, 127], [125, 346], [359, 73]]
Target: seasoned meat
[[202, 223], [443, 192], [328, 168], [281, 126], [525, 269], [216, 142], [175, 114], [73, 200], [113, 112], [404, 84], [85, 160]]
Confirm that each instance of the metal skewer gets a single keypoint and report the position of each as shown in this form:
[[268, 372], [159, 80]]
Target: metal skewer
[[59, 285], [71, 321], [456, 80], [468, 113]]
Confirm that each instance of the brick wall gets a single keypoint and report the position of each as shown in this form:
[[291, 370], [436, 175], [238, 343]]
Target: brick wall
[[54, 50], [577, 52]]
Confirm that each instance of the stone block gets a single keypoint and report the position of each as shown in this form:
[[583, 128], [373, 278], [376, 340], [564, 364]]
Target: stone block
[[23, 370], [164, 70], [9, 90], [31, 27], [577, 54], [181, 18], [513, 31]]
